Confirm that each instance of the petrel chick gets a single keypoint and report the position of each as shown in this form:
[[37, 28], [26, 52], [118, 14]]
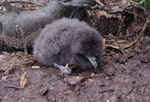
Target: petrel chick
[[68, 41]]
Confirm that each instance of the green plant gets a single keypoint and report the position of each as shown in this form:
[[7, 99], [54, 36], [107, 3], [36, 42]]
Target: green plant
[[143, 2]]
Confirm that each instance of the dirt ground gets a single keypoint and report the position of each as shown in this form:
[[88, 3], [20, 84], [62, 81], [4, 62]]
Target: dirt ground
[[125, 78]]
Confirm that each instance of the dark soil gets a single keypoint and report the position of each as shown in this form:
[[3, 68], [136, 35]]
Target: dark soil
[[125, 78], [124, 75]]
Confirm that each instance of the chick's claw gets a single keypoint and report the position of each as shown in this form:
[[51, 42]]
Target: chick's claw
[[64, 69]]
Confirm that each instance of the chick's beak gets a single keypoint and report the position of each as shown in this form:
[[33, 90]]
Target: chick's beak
[[93, 61]]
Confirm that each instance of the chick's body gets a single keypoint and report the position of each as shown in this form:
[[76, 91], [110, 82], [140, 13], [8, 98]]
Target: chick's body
[[68, 41]]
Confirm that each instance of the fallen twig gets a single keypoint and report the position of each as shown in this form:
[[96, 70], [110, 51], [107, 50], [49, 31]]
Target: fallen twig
[[111, 11], [143, 29], [22, 1]]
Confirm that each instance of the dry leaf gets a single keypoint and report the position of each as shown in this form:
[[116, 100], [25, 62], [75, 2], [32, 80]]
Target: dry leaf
[[4, 77], [107, 15], [74, 80], [99, 2], [23, 80], [107, 78], [35, 67], [104, 43], [91, 80], [93, 74], [120, 44]]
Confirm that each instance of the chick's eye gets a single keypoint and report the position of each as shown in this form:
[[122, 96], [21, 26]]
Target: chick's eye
[[79, 54]]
